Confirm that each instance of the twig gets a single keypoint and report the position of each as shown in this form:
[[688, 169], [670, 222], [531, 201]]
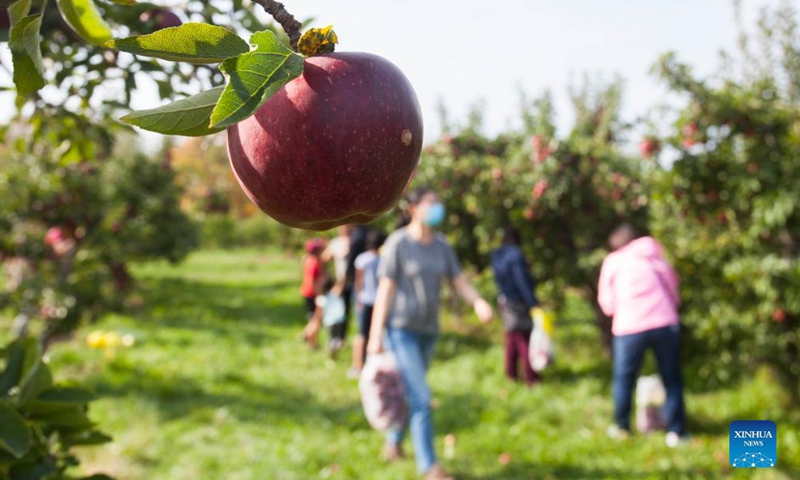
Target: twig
[[290, 25]]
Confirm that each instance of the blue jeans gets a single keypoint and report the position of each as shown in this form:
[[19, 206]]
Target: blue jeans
[[628, 354], [414, 352]]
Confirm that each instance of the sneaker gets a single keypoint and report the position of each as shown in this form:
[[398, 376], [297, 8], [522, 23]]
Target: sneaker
[[392, 453], [436, 472], [334, 345], [353, 373], [617, 433], [673, 440]]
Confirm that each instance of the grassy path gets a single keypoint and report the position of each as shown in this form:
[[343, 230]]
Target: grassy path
[[218, 387]]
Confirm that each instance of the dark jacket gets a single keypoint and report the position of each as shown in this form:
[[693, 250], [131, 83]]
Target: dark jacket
[[515, 283]]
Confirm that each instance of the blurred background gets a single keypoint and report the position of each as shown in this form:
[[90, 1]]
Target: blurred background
[[144, 274]]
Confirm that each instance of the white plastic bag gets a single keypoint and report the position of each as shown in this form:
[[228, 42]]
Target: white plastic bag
[[541, 350], [382, 392], [650, 398]]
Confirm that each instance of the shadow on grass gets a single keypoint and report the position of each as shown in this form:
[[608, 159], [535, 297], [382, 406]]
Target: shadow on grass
[[178, 396], [175, 302], [453, 344], [525, 470]]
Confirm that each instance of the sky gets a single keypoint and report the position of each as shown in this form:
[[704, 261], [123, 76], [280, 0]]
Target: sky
[[468, 51]]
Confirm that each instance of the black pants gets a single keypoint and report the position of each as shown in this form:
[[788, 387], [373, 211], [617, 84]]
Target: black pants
[[310, 305], [339, 331], [364, 327]]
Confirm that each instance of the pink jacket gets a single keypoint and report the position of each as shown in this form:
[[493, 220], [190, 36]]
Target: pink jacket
[[638, 288]]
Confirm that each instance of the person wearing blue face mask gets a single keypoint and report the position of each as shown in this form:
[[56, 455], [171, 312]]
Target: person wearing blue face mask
[[414, 261]]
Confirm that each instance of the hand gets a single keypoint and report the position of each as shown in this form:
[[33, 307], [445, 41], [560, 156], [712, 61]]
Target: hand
[[375, 346], [483, 310]]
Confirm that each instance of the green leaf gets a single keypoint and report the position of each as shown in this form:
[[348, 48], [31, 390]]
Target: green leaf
[[19, 10], [124, 3], [83, 17], [14, 355], [15, 437], [189, 117], [92, 437], [197, 43], [42, 467], [59, 398], [35, 376], [254, 77], [69, 417], [26, 55]]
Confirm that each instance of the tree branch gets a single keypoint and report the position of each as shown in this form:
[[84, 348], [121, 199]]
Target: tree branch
[[290, 25]]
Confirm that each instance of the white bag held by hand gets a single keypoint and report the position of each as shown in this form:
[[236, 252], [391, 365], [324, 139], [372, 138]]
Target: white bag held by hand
[[541, 350], [650, 398], [382, 392]]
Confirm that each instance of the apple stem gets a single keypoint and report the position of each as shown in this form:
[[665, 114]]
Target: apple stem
[[290, 25]]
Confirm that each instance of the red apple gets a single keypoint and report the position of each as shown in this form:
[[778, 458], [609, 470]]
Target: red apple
[[540, 147], [53, 236], [497, 173], [649, 147], [779, 315], [335, 146], [529, 214], [59, 241], [539, 189]]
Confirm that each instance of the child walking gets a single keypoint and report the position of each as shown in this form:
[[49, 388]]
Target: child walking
[[329, 311], [312, 274]]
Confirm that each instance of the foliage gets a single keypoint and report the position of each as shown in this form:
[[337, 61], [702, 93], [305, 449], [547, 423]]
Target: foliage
[[223, 231], [41, 422], [729, 208], [76, 37], [564, 195], [105, 215], [57, 161]]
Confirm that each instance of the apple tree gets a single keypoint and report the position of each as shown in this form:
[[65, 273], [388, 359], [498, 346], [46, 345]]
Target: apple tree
[[74, 214], [564, 194], [729, 207]]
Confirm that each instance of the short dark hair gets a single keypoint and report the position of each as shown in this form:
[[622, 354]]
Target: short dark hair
[[415, 196], [511, 236], [622, 235], [375, 239]]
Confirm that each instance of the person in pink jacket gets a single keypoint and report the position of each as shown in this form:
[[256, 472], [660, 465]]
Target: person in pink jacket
[[638, 289]]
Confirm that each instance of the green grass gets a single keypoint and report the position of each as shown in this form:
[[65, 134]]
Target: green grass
[[218, 387]]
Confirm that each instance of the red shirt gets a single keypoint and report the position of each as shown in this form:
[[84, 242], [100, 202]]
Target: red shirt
[[311, 272]]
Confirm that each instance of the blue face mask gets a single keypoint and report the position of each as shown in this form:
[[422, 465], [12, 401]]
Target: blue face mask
[[435, 215]]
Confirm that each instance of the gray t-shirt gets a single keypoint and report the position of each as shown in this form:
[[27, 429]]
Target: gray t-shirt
[[418, 270]]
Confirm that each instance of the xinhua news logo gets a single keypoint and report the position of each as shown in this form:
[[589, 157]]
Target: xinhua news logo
[[753, 444]]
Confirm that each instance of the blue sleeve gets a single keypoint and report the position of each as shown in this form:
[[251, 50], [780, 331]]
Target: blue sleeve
[[523, 281]]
